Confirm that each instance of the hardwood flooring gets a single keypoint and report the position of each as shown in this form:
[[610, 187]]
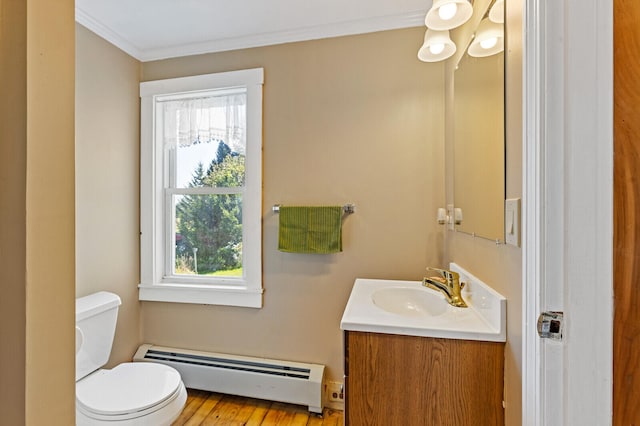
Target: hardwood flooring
[[206, 408]]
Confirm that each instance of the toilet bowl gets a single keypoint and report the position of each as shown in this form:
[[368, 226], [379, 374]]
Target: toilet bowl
[[130, 394], [140, 393]]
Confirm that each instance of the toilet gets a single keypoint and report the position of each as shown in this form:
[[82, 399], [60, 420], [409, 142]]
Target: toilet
[[140, 393]]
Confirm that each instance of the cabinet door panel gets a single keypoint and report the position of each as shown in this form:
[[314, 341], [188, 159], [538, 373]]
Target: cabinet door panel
[[406, 380]]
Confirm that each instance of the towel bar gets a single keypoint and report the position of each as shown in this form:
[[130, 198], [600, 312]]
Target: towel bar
[[347, 208]]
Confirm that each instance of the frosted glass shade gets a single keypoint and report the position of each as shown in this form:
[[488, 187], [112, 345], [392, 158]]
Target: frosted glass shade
[[488, 41], [496, 13], [453, 14], [437, 46]]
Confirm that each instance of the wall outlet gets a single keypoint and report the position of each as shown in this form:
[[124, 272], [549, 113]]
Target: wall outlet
[[335, 391]]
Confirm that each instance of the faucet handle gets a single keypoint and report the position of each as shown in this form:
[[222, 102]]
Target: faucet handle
[[444, 273]]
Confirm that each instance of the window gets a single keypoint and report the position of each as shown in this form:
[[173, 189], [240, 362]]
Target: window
[[200, 189]]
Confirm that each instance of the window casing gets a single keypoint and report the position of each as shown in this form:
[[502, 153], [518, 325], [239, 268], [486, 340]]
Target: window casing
[[163, 192]]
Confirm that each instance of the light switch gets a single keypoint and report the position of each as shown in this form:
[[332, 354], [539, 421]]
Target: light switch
[[512, 221]]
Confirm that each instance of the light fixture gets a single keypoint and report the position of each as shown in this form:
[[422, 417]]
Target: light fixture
[[496, 13], [437, 46], [488, 41], [448, 14]]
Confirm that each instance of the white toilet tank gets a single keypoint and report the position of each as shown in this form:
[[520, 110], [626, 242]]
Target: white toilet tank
[[96, 317]]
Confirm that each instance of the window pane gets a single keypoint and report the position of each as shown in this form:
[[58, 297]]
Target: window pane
[[208, 235], [208, 164]]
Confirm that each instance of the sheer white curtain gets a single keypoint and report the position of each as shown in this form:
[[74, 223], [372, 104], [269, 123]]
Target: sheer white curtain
[[206, 119]]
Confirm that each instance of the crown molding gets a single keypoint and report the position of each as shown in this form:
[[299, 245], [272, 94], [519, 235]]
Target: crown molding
[[107, 33], [361, 26]]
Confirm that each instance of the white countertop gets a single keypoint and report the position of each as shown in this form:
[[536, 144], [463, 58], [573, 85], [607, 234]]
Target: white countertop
[[484, 319]]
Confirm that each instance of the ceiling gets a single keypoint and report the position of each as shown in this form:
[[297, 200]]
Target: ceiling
[[158, 29]]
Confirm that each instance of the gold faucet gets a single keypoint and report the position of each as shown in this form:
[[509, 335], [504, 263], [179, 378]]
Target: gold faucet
[[448, 283]]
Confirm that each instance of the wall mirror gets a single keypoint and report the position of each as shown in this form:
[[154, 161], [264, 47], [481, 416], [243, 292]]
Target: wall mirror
[[479, 145]]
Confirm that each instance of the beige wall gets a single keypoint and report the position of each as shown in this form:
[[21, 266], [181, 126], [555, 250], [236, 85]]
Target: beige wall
[[50, 381], [501, 265], [352, 119], [37, 213], [107, 181], [13, 189]]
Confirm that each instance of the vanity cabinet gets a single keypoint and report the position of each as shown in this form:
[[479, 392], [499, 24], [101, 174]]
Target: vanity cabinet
[[411, 381]]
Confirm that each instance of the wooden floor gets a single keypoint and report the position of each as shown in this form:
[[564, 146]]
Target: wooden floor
[[205, 408]]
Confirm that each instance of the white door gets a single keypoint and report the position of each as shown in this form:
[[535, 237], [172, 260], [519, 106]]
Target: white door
[[568, 201]]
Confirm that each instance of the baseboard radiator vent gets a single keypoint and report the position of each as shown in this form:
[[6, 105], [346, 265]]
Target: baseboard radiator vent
[[274, 380]]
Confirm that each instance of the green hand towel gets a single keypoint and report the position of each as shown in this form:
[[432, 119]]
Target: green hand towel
[[310, 229]]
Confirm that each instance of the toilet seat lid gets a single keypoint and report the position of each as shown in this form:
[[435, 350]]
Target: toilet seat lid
[[127, 388]]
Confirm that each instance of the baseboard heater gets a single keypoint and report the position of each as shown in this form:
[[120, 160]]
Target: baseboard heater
[[274, 380]]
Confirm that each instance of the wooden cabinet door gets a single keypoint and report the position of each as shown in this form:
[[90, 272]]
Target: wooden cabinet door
[[406, 380]]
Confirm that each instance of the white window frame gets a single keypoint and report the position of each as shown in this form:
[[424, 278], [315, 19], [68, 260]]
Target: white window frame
[[155, 285]]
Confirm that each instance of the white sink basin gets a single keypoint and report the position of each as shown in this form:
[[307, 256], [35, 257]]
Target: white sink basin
[[409, 301], [409, 308]]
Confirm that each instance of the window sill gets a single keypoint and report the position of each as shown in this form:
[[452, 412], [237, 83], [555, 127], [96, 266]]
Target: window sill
[[201, 294]]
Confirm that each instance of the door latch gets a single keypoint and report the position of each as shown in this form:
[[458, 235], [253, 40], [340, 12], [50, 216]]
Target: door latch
[[550, 325]]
